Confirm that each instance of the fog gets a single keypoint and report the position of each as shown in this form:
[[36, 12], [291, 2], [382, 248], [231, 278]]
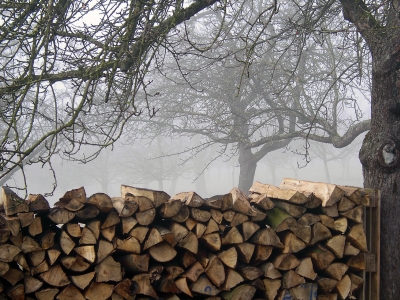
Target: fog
[[114, 167]]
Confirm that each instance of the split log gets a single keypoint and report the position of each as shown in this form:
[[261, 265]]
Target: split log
[[328, 193], [32, 284], [55, 276], [270, 271], [343, 287], [8, 252], [88, 213], [280, 220], [124, 208], [82, 281], [336, 270], [278, 193], [229, 257], [144, 285], [162, 252], [38, 204], [60, 215], [79, 194], [157, 197], [291, 279], [11, 202], [181, 283], [261, 254], [190, 199], [134, 263], [240, 203], [292, 243], [101, 201], [203, 286], [262, 201], [233, 278], [285, 262], [271, 288], [108, 270], [98, 291], [305, 269], [182, 215], [266, 237], [70, 292], [242, 292], [293, 210], [146, 217], [358, 238], [245, 251]]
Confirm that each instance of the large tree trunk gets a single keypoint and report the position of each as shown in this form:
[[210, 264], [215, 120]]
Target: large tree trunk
[[383, 173], [380, 153], [380, 157], [248, 165]]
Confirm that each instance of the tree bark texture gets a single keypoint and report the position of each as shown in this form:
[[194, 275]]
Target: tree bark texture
[[248, 165], [380, 157]]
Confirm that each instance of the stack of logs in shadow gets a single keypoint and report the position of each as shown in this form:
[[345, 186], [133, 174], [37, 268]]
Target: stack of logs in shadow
[[302, 240]]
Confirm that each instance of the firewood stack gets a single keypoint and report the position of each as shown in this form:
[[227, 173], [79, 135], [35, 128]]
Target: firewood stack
[[303, 239]]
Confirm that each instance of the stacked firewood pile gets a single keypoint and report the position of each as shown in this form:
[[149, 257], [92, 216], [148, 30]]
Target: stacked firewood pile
[[303, 240]]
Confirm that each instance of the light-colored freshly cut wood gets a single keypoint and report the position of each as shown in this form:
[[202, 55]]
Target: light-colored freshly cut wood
[[215, 270], [304, 233], [36, 257], [233, 236], [337, 245], [162, 252], [245, 251], [326, 285], [320, 256], [124, 289], [190, 223], [101, 201], [270, 271], [291, 279], [66, 243], [67, 261], [305, 291], [229, 257], [305, 269], [87, 237], [200, 229], [271, 191], [182, 215], [292, 244], [266, 237], [319, 233], [248, 229], [46, 294], [98, 291], [260, 215], [144, 285], [70, 292], [356, 214], [343, 287], [203, 286], [170, 208], [134, 263], [356, 282], [358, 237], [194, 272], [328, 193], [60, 215], [190, 242], [262, 201], [157, 197], [350, 250], [229, 215], [111, 220], [331, 211], [16, 292], [181, 283], [345, 204], [130, 245], [55, 276], [94, 226], [87, 252], [80, 264], [13, 275], [238, 219], [357, 263], [124, 208], [53, 255], [146, 217], [26, 218], [11, 202], [82, 281], [8, 252], [12, 223], [242, 292], [295, 211], [212, 241], [190, 199], [285, 262], [41, 268], [108, 233], [249, 272], [153, 238], [233, 278], [340, 225], [336, 270], [73, 229], [261, 254], [79, 194], [4, 267], [127, 224], [240, 203], [108, 270], [69, 204], [32, 284], [308, 219], [216, 215], [38, 204], [271, 288], [88, 213], [29, 245], [104, 249]]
